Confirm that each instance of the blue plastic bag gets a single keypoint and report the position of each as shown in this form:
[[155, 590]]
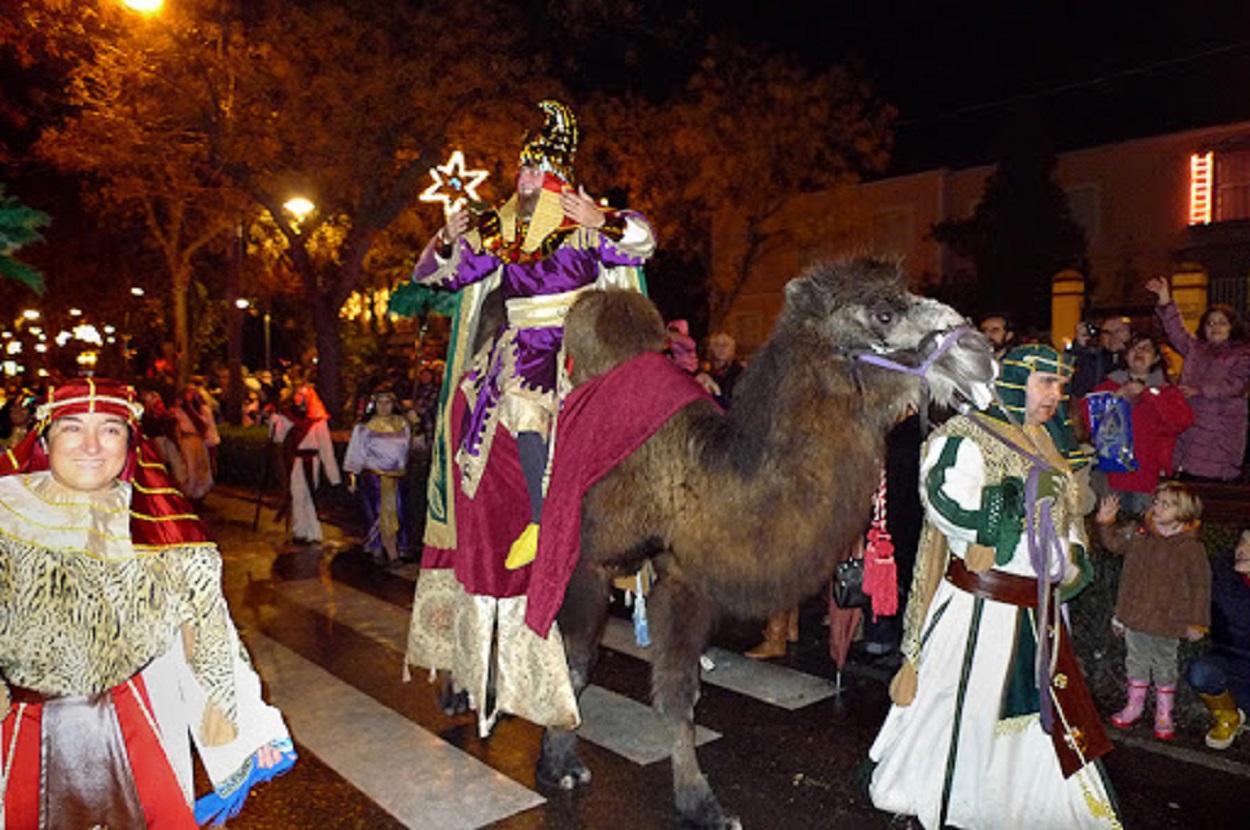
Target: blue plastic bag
[[1111, 424]]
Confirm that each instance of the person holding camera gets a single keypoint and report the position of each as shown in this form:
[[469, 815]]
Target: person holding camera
[[1098, 350]]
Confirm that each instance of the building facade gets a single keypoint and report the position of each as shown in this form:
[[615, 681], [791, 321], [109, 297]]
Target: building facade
[[1171, 204]]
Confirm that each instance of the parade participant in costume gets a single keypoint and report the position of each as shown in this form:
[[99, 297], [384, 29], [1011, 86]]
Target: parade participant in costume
[[196, 431], [992, 724], [160, 427], [302, 428], [116, 646], [540, 249], [376, 460]]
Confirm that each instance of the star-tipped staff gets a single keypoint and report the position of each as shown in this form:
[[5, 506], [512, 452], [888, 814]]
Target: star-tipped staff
[[453, 185]]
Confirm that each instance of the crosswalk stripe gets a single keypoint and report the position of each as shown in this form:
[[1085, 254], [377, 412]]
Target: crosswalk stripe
[[613, 721], [776, 685], [629, 728], [409, 772]]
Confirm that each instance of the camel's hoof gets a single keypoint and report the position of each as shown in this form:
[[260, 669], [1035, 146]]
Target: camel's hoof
[[699, 809], [568, 777], [454, 703]]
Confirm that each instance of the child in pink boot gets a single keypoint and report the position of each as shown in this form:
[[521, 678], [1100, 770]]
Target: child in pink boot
[[1165, 594]]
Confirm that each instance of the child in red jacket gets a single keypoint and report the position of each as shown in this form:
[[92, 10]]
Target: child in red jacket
[[1160, 414]]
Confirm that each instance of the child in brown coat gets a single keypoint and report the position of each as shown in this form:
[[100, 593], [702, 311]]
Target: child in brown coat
[[1165, 594]]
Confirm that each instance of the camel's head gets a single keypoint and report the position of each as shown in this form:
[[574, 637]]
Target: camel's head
[[862, 307]]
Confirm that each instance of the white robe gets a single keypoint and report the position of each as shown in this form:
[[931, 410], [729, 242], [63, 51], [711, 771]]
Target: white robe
[[1006, 772], [304, 521]]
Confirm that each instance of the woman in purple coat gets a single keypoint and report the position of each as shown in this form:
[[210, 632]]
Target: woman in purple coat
[[1214, 381]]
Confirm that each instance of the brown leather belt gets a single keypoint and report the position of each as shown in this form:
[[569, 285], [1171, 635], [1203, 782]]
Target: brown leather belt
[[1085, 728], [995, 585]]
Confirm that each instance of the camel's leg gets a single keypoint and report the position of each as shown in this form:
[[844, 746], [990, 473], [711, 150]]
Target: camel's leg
[[681, 623], [451, 700], [581, 620]]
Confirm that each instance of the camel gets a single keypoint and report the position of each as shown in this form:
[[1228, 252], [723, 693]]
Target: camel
[[748, 511]]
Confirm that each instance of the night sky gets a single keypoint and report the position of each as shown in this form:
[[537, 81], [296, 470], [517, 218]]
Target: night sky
[[960, 72]]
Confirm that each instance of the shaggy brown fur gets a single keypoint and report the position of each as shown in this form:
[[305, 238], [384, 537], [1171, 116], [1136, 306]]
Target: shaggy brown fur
[[747, 512], [606, 328]]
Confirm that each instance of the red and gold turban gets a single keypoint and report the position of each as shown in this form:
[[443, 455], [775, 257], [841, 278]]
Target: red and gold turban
[[160, 515]]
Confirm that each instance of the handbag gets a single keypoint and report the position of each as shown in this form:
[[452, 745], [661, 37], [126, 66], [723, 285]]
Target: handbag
[[848, 584]]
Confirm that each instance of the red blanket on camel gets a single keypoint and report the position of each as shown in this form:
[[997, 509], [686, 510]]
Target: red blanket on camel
[[601, 422]]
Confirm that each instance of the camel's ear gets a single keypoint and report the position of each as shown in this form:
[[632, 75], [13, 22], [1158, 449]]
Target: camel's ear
[[806, 297]]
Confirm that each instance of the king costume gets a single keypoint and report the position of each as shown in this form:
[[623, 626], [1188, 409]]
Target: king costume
[[117, 649], [993, 725], [377, 458], [480, 494], [303, 431]]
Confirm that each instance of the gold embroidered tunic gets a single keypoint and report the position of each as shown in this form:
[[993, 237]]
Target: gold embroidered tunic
[[82, 610]]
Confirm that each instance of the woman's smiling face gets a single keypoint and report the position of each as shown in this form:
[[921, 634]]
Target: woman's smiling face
[[87, 451]]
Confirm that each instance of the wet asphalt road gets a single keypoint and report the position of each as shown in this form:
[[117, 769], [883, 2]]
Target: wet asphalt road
[[773, 767]]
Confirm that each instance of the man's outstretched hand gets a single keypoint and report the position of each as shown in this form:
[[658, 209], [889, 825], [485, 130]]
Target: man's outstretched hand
[[581, 208]]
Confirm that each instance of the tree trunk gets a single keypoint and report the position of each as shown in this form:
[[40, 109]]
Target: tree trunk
[[182, 330], [329, 354], [234, 332]]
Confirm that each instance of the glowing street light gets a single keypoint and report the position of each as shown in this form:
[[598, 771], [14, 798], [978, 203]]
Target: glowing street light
[[31, 314], [109, 329], [299, 207], [144, 6], [75, 312], [136, 291], [242, 303]]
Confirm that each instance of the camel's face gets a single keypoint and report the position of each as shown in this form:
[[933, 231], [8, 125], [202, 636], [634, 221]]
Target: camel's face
[[862, 306]]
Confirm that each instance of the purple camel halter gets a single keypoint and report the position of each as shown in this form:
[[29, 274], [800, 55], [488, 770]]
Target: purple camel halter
[[944, 345]]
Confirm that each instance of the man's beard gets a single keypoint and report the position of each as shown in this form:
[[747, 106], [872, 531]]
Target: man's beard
[[526, 202]]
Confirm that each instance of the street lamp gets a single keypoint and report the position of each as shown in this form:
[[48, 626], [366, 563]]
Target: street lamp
[[136, 291], [75, 312], [31, 314], [144, 6], [242, 303], [299, 207]]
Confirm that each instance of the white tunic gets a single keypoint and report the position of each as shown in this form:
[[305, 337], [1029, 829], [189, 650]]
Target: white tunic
[[1006, 773]]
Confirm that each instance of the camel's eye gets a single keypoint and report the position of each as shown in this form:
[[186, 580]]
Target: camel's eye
[[885, 317]]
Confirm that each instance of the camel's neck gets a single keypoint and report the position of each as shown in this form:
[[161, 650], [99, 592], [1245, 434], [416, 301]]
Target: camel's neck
[[807, 443]]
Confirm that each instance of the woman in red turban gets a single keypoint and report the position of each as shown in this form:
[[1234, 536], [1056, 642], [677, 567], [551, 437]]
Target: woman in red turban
[[116, 646]]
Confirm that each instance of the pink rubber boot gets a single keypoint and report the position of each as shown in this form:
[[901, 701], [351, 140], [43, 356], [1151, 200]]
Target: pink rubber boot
[[1164, 697], [1132, 710]]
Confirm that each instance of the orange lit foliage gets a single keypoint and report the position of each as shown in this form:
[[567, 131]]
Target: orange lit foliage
[[749, 131], [214, 111]]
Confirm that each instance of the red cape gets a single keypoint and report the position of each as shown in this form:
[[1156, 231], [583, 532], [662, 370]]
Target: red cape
[[601, 422]]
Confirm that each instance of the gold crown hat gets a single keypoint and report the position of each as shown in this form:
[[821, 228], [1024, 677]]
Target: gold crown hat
[[552, 148]]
